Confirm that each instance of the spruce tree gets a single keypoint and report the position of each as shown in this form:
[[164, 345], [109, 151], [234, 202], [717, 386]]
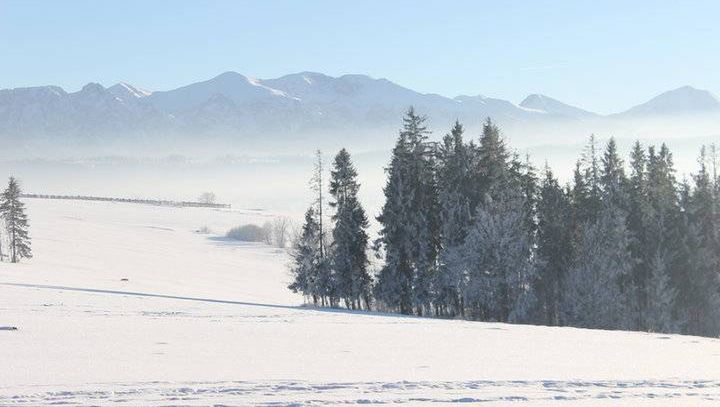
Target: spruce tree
[[306, 259], [594, 294], [554, 246], [661, 236], [454, 188], [350, 239], [12, 211], [612, 178], [492, 171], [498, 257], [587, 198], [639, 216], [615, 197], [410, 221], [659, 297]]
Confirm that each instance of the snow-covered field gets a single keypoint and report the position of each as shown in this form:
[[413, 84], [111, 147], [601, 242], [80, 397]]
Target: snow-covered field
[[206, 321]]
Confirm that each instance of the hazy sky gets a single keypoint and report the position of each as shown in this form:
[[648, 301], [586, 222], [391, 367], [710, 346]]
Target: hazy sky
[[601, 55]]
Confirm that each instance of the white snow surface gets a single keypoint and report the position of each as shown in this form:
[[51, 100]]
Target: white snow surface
[[207, 321]]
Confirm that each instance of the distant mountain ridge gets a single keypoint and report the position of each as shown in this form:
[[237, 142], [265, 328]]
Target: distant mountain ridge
[[305, 104]]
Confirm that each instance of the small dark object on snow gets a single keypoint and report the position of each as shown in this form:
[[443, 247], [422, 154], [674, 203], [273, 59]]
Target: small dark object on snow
[[8, 328], [124, 279]]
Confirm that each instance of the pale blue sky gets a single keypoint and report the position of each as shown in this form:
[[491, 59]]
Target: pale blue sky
[[601, 55]]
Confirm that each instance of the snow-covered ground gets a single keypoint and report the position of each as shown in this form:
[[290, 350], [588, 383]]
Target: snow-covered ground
[[206, 321]]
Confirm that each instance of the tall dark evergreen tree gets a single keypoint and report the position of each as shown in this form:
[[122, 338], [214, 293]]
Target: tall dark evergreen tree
[[12, 211], [554, 246], [455, 189], [613, 182], [615, 199], [410, 221], [659, 237], [492, 171], [350, 239], [639, 214]]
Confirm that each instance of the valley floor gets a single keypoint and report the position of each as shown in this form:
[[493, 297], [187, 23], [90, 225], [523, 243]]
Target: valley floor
[[201, 320]]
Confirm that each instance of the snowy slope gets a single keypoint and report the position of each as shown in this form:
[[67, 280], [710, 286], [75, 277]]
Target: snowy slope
[[126, 92], [205, 321], [554, 107]]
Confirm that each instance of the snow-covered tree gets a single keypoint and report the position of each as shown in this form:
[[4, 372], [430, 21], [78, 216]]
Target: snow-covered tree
[[350, 239], [455, 190], [594, 295], [659, 297], [306, 259], [12, 211], [498, 259]]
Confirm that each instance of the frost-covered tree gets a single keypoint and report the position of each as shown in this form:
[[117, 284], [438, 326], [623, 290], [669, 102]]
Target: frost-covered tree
[[659, 297], [325, 281], [455, 190], [498, 260], [594, 295], [12, 211], [306, 259], [350, 239]]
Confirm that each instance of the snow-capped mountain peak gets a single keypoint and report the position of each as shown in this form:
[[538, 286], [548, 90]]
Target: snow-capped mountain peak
[[545, 104], [124, 90]]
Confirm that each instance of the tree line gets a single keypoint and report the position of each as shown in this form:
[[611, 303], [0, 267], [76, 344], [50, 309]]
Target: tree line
[[470, 230]]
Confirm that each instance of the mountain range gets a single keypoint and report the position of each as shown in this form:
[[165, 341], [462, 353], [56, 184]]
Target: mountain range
[[298, 105]]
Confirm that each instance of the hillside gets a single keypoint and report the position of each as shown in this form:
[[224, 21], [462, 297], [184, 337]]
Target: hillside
[[203, 320]]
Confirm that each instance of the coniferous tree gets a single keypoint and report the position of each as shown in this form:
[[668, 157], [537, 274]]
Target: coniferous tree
[[659, 297], [660, 235], [614, 195], [410, 221], [325, 280], [12, 211], [350, 239], [306, 259], [639, 215], [454, 188], [613, 182], [586, 194], [594, 295], [554, 246], [492, 171], [497, 255]]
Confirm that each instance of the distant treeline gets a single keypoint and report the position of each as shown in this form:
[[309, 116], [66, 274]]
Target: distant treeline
[[158, 202], [469, 230]]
